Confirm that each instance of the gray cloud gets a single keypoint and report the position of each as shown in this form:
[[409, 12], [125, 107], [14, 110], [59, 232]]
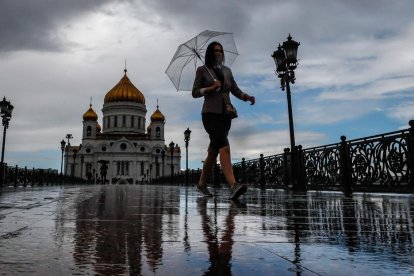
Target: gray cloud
[[60, 53], [35, 25]]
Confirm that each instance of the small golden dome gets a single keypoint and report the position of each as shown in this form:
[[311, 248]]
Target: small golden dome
[[157, 116], [124, 91], [98, 127], [90, 115]]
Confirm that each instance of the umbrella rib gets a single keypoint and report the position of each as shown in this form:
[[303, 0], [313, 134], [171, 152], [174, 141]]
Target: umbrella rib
[[194, 51], [190, 57], [231, 52]]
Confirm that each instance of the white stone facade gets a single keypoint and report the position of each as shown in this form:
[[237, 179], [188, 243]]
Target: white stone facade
[[132, 151]]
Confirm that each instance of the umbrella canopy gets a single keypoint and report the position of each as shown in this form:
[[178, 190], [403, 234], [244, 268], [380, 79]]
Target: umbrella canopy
[[190, 55]]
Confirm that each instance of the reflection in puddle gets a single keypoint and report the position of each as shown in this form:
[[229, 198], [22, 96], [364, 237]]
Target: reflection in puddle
[[140, 230]]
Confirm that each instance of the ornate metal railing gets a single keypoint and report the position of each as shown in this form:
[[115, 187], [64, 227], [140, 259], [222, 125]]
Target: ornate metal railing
[[16, 176], [270, 171], [322, 167], [381, 163]]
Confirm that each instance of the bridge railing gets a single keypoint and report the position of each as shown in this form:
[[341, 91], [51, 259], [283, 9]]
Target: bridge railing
[[17, 176], [380, 163]]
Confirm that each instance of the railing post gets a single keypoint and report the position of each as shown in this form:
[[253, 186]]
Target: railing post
[[298, 170], [33, 176], [15, 177], [243, 170], [262, 176], [287, 165], [40, 177], [25, 177], [411, 155], [345, 168]]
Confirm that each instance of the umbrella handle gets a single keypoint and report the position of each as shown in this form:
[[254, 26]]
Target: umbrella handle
[[218, 89]]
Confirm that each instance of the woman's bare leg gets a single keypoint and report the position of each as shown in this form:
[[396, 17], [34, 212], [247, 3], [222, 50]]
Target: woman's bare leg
[[208, 165], [226, 166]]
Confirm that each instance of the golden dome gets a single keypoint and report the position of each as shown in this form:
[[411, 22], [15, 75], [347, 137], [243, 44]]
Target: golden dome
[[98, 127], [157, 116], [90, 115], [124, 91]]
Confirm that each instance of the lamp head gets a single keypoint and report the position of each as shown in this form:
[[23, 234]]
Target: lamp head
[[280, 59], [171, 145], [62, 144], [187, 134], [291, 50]]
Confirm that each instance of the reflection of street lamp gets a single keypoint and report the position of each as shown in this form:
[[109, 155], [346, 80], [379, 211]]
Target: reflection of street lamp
[[172, 166], [6, 109], [187, 133], [286, 63]]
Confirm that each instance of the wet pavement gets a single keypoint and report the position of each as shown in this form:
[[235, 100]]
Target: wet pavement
[[170, 230]]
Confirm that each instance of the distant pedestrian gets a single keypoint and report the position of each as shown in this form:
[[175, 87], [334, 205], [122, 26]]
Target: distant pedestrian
[[214, 82]]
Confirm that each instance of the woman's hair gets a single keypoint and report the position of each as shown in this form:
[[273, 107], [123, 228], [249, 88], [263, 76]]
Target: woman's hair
[[210, 59]]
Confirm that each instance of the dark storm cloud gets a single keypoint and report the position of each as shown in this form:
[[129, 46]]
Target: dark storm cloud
[[204, 14], [332, 18], [33, 25]]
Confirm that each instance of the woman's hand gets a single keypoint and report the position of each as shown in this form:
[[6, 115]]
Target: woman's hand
[[216, 86], [252, 100]]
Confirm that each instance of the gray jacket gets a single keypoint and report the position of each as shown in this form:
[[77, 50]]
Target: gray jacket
[[213, 102]]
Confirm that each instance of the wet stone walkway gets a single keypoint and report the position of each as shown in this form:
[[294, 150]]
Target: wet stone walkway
[[170, 230]]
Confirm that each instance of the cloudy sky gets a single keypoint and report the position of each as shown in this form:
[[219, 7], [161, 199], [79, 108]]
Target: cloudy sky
[[355, 75]]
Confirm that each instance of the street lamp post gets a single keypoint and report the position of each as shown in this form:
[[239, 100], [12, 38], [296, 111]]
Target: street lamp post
[[172, 165], [187, 133], [150, 173], [74, 160], [6, 109], [68, 136], [285, 58], [286, 62], [81, 170], [163, 162], [157, 167], [62, 147]]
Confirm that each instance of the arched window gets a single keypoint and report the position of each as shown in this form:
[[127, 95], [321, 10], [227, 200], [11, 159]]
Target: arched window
[[88, 131], [158, 132]]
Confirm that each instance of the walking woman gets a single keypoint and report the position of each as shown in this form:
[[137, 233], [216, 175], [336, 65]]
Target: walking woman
[[214, 82]]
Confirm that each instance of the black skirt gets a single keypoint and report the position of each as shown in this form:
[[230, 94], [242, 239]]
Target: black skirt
[[217, 126]]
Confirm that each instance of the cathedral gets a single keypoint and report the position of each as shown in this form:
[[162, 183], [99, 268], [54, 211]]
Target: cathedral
[[124, 150]]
